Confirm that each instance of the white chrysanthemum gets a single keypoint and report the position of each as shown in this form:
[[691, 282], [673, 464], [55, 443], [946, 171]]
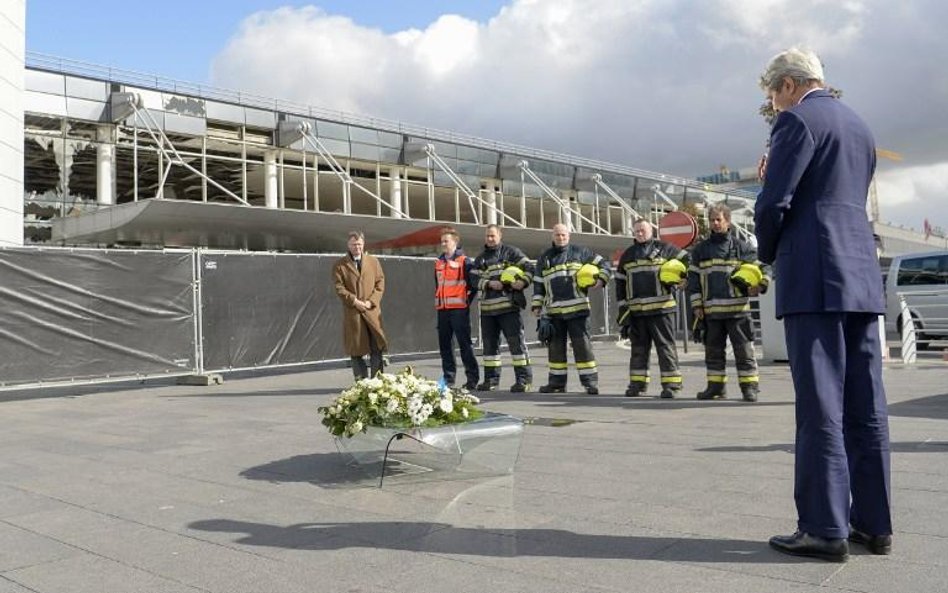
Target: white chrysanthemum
[[464, 412], [357, 426], [391, 405], [446, 404]]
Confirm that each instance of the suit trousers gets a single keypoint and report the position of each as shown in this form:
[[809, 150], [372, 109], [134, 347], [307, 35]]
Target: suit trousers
[[511, 325], [456, 323], [576, 328], [643, 331], [740, 330], [359, 370], [842, 437]]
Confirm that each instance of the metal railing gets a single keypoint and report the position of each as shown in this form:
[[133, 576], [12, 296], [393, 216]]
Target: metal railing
[[40, 61], [923, 319]]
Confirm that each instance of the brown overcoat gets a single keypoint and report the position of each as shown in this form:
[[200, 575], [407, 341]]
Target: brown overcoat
[[367, 285]]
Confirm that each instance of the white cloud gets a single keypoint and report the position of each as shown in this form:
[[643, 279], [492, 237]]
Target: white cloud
[[665, 85], [909, 195]]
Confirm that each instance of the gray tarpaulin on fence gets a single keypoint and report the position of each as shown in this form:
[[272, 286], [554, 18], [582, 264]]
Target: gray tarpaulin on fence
[[83, 314], [89, 315], [274, 309]]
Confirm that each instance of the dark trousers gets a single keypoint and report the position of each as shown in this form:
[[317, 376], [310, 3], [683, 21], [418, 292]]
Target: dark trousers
[[741, 332], [456, 323], [842, 448], [359, 369], [511, 325], [578, 332], [643, 331]]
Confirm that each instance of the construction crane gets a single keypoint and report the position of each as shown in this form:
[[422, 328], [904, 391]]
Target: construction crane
[[873, 192]]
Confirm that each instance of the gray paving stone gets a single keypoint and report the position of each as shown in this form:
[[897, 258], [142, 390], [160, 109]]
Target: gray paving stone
[[236, 487]]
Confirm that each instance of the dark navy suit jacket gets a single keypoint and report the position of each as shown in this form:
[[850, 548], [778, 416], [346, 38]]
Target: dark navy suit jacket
[[810, 217]]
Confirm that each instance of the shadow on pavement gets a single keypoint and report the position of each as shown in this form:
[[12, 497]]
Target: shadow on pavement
[[933, 406], [906, 447], [443, 538]]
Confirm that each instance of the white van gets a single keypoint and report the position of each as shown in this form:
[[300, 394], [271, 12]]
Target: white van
[[919, 273]]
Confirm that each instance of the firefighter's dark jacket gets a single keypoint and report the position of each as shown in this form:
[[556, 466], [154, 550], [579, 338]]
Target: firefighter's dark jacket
[[488, 266], [554, 285], [638, 289], [709, 275]]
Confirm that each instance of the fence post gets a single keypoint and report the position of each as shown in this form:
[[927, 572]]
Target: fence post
[[908, 332]]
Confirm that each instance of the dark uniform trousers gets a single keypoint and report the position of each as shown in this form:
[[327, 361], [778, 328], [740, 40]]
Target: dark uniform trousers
[[578, 332], [511, 324], [643, 331], [457, 323], [842, 451], [741, 332]]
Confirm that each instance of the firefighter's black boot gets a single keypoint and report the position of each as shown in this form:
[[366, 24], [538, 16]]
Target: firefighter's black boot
[[713, 391], [750, 391]]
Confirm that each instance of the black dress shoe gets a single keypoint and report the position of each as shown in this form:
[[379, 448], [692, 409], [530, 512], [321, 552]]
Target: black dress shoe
[[552, 389], [592, 390], [814, 546], [877, 544]]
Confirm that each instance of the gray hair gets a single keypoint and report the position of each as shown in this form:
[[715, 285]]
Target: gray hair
[[800, 65]]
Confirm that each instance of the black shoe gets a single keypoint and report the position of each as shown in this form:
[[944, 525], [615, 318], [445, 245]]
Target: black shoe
[[471, 386], [592, 390], [804, 544], [553, 389], [877, 544], [667, 393], [713, 391], [487, 386], [750, 392], [635, 390], [519, 387]]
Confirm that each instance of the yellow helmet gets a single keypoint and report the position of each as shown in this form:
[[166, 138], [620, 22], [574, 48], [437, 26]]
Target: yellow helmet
[[587, 276], [672, 272], [747, 276], [511, 274]]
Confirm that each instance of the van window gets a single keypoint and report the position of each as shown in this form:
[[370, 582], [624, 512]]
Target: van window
[[926, 271]]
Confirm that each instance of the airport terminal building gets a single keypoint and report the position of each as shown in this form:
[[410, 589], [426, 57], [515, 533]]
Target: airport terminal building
[[115, 158]]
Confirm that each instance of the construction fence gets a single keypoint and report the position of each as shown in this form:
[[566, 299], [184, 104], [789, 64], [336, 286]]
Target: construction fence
[[79, 316]]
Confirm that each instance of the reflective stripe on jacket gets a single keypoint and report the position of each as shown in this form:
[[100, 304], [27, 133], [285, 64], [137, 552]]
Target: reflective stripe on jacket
[[638, 287], [709, 275], [451, 291], [554, 286], [489, 265]]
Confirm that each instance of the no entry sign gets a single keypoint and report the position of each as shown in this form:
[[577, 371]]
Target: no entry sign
[[678, 228]]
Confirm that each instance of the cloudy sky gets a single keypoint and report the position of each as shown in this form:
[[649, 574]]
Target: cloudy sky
[[663, 85]]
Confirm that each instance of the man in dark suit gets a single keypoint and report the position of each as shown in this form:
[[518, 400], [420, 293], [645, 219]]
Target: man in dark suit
[[811, 220]]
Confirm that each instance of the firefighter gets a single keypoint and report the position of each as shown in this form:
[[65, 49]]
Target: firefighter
[[649, 273], [503, 273], [454, 291], [564, 275], [723, 275]]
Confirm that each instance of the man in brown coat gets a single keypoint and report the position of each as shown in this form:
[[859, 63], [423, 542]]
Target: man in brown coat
[[360, 283]]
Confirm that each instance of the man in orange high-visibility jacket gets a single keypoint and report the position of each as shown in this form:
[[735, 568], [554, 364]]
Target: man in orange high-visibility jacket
[[453, 295]]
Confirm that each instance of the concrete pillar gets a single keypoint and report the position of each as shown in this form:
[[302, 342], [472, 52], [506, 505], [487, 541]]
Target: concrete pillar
[[104, 174], [270, 179], [395, 194], [12, 56], [492, 207]]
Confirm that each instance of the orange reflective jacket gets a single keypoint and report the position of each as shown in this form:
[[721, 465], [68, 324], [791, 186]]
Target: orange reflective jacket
[[451, 291]]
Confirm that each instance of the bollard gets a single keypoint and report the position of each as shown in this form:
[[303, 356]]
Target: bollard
[[908, 332]]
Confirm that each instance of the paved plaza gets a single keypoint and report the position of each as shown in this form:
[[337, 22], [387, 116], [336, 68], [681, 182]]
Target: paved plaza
[[238, 488]]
